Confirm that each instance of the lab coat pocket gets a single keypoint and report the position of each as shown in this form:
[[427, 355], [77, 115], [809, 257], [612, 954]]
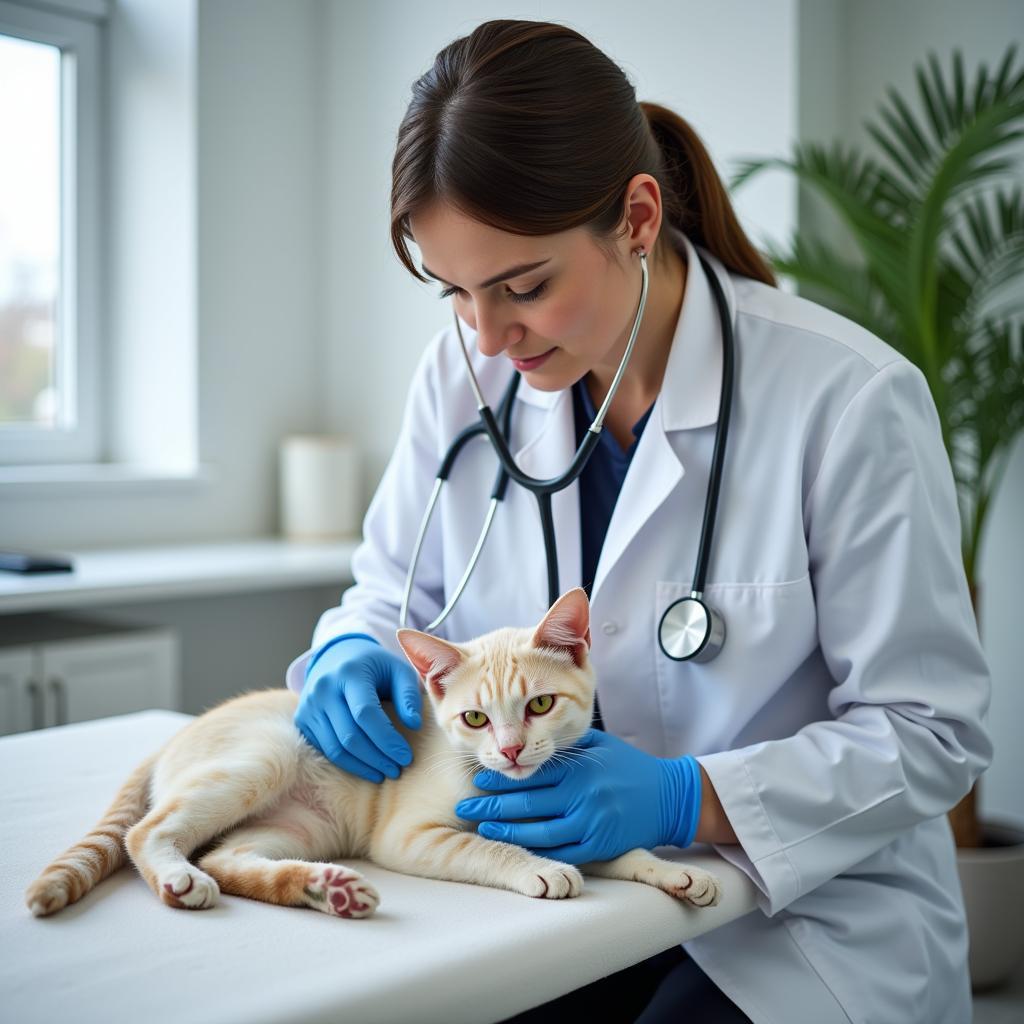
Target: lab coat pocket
[[770, 632]]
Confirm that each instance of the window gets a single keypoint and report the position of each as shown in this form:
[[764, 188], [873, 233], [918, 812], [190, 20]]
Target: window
[[50, 264]]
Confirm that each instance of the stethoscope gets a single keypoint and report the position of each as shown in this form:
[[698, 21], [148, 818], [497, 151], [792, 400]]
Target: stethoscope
[[690, 629]]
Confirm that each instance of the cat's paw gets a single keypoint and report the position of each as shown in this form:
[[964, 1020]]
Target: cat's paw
[[187, 888], [340, 892], [47, 895], [552, 880], [689, 883]]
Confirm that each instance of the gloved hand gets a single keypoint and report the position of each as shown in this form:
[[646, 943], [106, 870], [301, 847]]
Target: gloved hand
[[340, 713], [607, 800]]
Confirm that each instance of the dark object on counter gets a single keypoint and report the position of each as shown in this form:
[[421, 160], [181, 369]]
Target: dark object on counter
[[14, 561]]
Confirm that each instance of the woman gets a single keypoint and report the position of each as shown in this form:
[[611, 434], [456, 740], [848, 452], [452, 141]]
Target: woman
[[845, 713]]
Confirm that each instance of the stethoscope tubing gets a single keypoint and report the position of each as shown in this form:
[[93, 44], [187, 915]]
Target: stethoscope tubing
[[543, 489], [554, 484], [724, 413]]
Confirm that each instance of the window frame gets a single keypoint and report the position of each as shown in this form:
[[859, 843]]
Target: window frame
[[77, 30]]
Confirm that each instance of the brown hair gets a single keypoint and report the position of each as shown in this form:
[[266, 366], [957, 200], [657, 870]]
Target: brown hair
[[526, 126]]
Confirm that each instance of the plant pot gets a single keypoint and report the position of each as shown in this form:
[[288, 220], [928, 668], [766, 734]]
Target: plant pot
[[992, 878]]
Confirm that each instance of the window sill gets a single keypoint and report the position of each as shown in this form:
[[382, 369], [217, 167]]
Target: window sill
[[99, 478]]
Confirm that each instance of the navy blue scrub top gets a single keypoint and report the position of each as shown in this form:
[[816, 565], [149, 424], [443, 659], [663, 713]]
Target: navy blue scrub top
[[599, 483]]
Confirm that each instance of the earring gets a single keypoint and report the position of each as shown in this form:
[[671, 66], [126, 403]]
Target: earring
[[639, 251]]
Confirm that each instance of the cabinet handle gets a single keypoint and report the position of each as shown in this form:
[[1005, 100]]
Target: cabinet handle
[[36, 692], [61, 697]]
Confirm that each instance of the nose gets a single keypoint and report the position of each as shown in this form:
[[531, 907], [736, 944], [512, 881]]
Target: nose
[[494, 334], [512, 752]]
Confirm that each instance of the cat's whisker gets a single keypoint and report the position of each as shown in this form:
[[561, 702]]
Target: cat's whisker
[[468, 754], [562, 758], [449, 757], [583, 755], [462, 762], [580, 754], [454, 755]]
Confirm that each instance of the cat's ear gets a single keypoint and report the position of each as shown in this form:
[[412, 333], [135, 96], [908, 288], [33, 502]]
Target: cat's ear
[[567, 625], [434, 659]]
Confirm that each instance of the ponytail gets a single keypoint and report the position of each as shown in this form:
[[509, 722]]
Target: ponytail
[[697, 202]]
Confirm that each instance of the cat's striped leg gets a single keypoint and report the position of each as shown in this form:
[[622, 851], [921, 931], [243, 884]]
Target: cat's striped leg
[[434, 850], [263, 861], [684, 881], [189, 816]]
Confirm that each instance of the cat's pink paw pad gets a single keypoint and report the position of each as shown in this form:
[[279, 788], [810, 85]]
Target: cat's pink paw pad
[[341, 892], [188, 888], [696, 886]]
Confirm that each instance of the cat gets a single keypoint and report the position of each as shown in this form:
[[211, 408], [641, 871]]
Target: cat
[[239, 802]]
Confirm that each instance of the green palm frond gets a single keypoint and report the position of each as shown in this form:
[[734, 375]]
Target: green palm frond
[[988, 249], [986, 406], [965, 165], [916, 146], [941, 255], [859, 193], [847, 287]]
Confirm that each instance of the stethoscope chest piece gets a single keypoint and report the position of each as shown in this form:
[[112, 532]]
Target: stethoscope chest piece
[[691, 630]]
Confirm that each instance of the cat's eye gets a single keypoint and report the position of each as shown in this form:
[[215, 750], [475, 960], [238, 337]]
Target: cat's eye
[[541, 705], [474, 719]]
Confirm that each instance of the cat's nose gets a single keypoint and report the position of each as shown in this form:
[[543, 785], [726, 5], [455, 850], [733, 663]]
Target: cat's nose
[[512, 752]]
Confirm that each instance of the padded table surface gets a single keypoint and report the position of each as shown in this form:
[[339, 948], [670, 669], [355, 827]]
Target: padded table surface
[[430, 953]]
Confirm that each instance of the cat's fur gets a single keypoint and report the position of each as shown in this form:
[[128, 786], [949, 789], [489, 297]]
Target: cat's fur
[[262, 813]]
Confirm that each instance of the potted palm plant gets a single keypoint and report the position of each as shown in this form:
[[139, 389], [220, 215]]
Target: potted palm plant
[[936, 222]]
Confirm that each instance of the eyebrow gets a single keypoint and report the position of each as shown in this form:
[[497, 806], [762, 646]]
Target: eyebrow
[[523, 268]]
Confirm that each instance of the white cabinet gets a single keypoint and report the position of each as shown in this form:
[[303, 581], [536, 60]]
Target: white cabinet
[[19, 692], [56, 670]]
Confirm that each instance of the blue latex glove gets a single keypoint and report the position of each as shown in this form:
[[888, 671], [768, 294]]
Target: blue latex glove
[[607, 800], [340, 713]]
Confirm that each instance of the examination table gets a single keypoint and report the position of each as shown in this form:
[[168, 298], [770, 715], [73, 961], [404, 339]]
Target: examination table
[[435, 951]]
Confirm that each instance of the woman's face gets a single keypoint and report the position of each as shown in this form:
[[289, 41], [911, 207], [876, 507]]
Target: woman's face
[[577, 302]]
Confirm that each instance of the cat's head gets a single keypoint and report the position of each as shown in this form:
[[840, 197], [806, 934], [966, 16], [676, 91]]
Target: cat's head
[[514, 696]]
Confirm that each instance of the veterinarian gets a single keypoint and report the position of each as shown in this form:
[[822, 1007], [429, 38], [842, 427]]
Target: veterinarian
[[843, 712]]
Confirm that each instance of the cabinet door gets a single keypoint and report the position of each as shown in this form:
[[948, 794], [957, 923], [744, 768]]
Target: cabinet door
[[21, 692], [110, 675]]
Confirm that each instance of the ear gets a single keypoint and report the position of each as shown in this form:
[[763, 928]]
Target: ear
[[567, 625], [433, 659]]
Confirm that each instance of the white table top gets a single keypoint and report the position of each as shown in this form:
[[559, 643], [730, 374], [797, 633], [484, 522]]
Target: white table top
[[119, 954]]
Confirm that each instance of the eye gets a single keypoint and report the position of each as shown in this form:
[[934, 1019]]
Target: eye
[[541, 705], [474, 719], [531, 296]]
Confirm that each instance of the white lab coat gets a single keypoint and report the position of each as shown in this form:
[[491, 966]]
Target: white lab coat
[[847, 710]]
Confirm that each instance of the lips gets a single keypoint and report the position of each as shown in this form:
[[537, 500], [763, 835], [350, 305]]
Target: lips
[[532, 362]]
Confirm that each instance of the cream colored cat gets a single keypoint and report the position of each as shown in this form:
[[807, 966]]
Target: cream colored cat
[[241, 793]]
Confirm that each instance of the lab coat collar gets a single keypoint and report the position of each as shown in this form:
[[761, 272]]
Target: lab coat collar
[[692, 383]]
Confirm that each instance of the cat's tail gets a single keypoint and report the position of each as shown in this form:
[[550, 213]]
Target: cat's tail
[[83, 866]]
